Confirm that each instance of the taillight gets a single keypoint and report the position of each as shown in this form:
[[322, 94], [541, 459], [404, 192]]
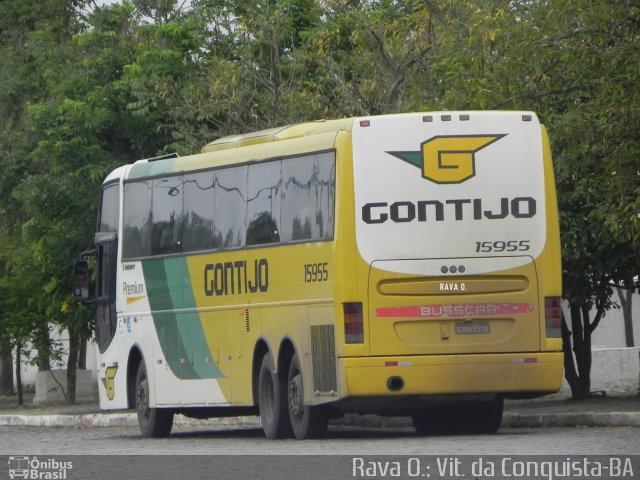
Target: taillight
[[553, 316], [353, 326]]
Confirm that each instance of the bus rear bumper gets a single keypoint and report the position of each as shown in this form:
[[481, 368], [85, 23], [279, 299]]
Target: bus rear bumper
[[526, 373]]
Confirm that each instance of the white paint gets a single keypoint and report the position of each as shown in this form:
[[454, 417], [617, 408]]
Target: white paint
[[51, 387], [511, 167], [610, 332], [615, 371], [61, 340]]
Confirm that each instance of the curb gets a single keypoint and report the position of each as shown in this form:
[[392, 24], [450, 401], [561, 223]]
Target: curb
[[510, 420], [113, 420], [572, 419], [518, 420]]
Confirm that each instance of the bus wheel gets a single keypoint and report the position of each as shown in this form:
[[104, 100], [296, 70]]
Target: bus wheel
[[272, 401], [307, 421], [485, 417], [433, 420], [153, 422]]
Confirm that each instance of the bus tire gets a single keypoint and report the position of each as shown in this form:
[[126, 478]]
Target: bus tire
[[153, 422], [307, 421], [486, 417], [434, 420], [272, 401]]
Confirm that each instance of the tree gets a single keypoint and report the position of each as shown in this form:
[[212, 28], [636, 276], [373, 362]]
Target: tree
[[625, 294], [567, 61], [25, 27], [598, 178], [368, 56]]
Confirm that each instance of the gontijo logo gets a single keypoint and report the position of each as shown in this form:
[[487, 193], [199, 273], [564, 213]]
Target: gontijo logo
[[109, 381], [448, 158]]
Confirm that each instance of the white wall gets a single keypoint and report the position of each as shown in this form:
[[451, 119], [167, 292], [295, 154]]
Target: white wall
[[28, 371], [610, 331], [615, 369]]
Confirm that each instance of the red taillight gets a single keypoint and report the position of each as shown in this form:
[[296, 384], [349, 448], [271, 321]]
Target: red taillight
[[553, 316], [353, 325]]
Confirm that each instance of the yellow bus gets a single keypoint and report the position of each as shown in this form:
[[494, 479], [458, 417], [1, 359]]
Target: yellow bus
[[397, 265]]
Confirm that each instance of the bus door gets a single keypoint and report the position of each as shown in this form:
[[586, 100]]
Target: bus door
[[106, 240], [106, 263]]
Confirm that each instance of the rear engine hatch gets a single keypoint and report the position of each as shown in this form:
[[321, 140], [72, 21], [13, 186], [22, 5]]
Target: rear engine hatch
[[411, 314]]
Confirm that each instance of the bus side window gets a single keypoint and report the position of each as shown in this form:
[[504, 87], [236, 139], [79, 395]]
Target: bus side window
[[325, 185], [263, 204], [199, 205], [230, 207], [167, 215], [308, 197], [297, 199], [137, 219]]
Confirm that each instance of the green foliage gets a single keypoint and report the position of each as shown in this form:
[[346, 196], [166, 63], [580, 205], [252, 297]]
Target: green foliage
[[367, 57], [568, 61]]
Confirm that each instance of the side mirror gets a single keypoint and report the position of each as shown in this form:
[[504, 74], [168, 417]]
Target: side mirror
[[81, 280]]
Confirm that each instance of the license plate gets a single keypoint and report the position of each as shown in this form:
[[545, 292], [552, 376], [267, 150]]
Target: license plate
[[472, 328]]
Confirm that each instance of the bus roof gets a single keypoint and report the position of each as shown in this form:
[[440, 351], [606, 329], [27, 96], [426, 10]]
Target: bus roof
[[262, 145], [277, 134]]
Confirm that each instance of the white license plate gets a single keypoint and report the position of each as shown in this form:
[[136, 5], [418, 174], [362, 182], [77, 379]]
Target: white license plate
[[472, 328]]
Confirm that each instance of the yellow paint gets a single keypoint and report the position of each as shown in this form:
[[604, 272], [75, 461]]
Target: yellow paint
[[233, 322], [452, 159], [406, 336], [453, 374], [131, 300]]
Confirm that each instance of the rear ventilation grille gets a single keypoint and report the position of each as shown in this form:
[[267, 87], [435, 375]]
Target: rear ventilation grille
[[323, 356]]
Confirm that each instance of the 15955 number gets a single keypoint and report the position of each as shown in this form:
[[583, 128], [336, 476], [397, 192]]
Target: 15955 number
[[316, 272], [503, 246]]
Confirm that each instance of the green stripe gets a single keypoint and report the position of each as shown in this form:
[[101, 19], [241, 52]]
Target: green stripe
[[181, 335], [190, 326], [414, 158]]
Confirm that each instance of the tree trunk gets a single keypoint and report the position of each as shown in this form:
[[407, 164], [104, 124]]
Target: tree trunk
[[82, 355], [570, 373], [43, 347], [584, 365], [18, 371], [72, 363], [6, 366], [576, 345], [626, 299]]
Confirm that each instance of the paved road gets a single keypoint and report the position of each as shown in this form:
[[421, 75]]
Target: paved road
[[340, 441]]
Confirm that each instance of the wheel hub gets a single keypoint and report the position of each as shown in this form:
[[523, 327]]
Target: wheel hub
[[296, 401], [142, 401]]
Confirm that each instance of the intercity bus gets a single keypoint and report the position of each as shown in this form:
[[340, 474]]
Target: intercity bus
[[396, 265]]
